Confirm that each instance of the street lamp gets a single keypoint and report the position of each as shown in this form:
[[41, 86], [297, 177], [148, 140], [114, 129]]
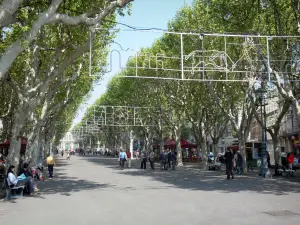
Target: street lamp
[[261, 97]]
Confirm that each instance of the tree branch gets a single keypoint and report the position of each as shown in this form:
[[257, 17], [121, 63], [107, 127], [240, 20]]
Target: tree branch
[[84, 18], [21, 44], [8, 8]]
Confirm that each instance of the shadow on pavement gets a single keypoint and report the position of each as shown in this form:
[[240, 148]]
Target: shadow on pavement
[[195, 179], [62, 183]]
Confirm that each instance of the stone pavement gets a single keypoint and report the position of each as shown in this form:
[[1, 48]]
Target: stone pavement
[[92, 190]]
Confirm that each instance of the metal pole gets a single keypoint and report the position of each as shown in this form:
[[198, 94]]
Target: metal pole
[[263, 146], [265, 119]]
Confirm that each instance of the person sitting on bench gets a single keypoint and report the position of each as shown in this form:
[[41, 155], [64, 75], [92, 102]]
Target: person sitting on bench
[[26, 171], [14, 181]]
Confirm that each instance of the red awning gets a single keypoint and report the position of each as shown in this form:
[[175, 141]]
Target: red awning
[[183, 143], [234, 147], [6, 143]]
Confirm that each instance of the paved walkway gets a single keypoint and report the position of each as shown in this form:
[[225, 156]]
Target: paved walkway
[[92, 190]]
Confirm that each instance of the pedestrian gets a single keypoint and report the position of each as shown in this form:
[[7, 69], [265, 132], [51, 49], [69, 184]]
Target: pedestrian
[[174, 159], [290, 160], [166, 160], [128, 154], [62, 153], [50, 163], [152, 159], [169, 158], [229, 163], [122, 158], [68, 155], [144, 160], [239, 163]]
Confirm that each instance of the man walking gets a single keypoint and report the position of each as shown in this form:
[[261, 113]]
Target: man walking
[[152, 159], [143, 160], [128, 154], [229, 163], [122, 157], [174, 159], [50, 163]]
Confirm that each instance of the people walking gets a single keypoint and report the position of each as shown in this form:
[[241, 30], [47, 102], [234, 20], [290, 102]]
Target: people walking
[[62, 153], [166, 160], [128, 154], [122, 159], [50, 163], [68, 155], [169, 158], [152, 159], [144, 160], [239, 163], [229, 163]]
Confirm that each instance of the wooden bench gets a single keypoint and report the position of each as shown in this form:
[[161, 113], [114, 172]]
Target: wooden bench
[[9, 191]]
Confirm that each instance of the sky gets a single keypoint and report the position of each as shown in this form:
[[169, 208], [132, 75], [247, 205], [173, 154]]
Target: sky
[[145, 14]]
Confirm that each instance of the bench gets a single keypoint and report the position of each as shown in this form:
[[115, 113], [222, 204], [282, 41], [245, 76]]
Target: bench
[[9, 191]]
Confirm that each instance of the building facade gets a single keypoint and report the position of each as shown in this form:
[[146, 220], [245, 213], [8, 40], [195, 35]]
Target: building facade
[[289, 127], [68, 142]]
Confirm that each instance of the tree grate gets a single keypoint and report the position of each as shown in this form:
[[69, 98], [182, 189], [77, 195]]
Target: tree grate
[[282, 213]]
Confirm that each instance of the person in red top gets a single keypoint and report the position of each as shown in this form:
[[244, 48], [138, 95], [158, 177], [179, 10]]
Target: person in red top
[[290, 160], [128, 154]]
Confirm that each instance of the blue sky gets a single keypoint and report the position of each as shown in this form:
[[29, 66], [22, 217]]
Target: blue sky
[[145, 14]]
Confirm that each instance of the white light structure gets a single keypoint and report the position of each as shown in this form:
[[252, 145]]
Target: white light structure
[[215, 57]]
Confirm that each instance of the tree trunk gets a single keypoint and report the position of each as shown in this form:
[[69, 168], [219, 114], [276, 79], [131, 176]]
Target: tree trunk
[[204, 152], [177, 133], [32, 148], [276, 153], [36, 150], [215, 146], [19, 119], [242, 148], [13, 157]]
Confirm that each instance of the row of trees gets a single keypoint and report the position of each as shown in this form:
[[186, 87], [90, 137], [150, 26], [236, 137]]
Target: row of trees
[[44, 66], [210, 107]]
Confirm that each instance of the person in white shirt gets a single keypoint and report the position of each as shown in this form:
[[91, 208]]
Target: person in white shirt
[[13, 181], [68, 155]]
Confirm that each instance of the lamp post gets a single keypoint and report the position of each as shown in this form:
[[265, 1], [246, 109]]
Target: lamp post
[[260, 95]]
